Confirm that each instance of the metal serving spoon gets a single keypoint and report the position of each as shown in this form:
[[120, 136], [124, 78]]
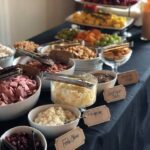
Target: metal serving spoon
[[42, 59], [70, 79]]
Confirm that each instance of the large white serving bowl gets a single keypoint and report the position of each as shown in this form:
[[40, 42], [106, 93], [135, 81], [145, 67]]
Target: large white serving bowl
[[54, 131], [28, 130], [46, 84], [109, 84], [14, 110], [81, 64]]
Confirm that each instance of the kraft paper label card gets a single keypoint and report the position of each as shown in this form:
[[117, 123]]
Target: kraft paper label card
[[97, 115], [129, 77], [114, 94], [70, 140]]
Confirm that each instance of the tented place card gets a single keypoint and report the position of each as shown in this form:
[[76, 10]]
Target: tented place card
[[129, 77], [96, 115], [70, 140], [114, 94]]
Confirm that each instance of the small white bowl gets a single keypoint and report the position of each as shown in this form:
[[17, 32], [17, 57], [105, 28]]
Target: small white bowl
[[14, 110], [45, 84], [81, 64], [54, 131], [28, 130], [8, 60], [109, 84]]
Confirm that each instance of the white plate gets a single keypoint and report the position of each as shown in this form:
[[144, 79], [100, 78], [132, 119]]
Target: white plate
[[128, 23]]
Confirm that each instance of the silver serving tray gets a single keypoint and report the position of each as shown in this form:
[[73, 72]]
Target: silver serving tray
[[128, 23], [105, 5]]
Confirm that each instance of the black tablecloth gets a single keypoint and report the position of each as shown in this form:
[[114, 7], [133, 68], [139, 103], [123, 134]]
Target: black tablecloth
[[129, 128]]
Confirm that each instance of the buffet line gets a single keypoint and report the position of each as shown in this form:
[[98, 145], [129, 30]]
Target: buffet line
[[72, 66]]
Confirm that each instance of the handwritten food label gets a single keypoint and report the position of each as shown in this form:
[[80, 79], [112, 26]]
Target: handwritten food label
[[70, 140], [96, 115], [114, 94], [129, 77]]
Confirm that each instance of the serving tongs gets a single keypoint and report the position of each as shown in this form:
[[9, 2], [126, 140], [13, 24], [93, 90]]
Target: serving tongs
[[19, 69], [10, 71], [33, 140], [118, 46], [7, 146], [41, 58], [65, 45], [69, 79]]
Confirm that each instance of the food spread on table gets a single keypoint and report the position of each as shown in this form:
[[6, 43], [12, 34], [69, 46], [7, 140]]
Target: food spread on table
[[54, 116], [90, 45]]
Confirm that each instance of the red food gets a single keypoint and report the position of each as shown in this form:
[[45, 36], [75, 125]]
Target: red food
[[23, 141], [16, 89]]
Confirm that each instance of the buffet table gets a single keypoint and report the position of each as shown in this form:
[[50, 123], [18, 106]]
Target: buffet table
[[129, 127]]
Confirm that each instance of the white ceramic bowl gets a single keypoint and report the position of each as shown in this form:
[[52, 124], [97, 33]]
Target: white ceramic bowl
[[53, 131], [81, 65], [8, 60], [28, 130], [45, 84], [109, 84], [14, 110]]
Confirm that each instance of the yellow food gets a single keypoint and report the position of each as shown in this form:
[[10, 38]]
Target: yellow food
[[111, 20], [54, 116], [69, 94]]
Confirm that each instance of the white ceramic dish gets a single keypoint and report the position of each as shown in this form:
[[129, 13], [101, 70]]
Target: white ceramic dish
[[28, 130], [53, 131], [109, 84], [81, 65], [14, 110], [128, 23], [45, 84]]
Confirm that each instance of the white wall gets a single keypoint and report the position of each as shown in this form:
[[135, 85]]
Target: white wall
[[22, 19], [58, 10]]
